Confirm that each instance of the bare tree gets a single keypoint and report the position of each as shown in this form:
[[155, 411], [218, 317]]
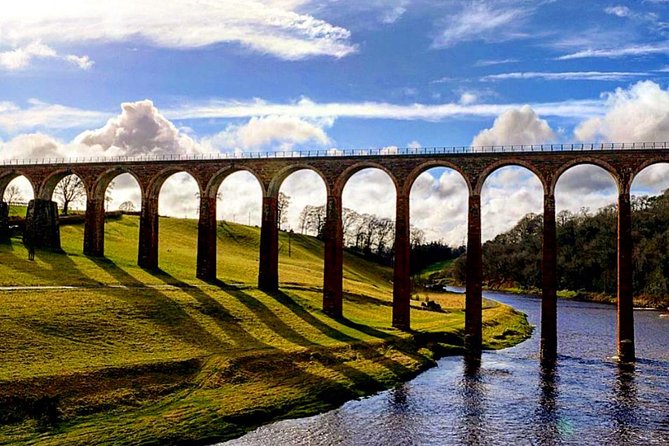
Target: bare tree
[[13, 194], [282, 209], [68, 191]]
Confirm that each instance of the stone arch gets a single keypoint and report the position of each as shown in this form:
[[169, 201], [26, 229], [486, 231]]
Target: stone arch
[[280, 177], [579, 162], [214, 184], [416, 172], [48, 185], [156, 182], [346, 175], [8, 177], [644, 165], [105, 179], [492, 168]]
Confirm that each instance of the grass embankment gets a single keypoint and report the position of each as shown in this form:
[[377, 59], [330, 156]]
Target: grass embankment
[[130, 356]]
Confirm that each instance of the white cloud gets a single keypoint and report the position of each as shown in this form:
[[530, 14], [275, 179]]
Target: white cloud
[[279, 132], [267, 26], [568, 75], [491, 62], [40, 115], [468, 98], [438, 205], [637, 114], [19, 58], [508, 195], [619, 51], [370, 191], [620, 11], [517, 126], [585, 186], [394, 12], [481, 21], [308, 109], [83, 62], [139, 130]]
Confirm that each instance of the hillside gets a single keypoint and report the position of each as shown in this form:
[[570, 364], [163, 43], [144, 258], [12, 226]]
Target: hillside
[[142, 357]]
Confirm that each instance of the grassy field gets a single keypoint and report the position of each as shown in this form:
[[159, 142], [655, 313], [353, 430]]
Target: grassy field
[[128, 356]]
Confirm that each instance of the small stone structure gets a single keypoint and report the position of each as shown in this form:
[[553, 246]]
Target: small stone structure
[[42, 224]]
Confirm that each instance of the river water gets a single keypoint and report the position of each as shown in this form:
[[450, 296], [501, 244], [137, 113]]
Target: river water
[[587, 398]]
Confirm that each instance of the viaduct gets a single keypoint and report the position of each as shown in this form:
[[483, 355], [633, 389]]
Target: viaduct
[[548, 163]]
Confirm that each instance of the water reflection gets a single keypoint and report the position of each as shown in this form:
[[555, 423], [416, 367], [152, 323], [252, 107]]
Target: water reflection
[[472, 393], [625, 404], [510, 397], [547, 423]]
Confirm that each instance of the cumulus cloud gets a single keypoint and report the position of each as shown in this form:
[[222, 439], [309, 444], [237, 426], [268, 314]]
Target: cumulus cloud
[[276, 131], [275, 27], [639, 113], [516, 126], [438, 206], [139, 130]]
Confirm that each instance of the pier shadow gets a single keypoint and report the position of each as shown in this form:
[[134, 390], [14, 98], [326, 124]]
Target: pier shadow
[[625, 404], [472, 392], [547, 417]]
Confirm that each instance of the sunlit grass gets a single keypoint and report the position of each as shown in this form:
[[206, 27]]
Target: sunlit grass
[[133, 356]]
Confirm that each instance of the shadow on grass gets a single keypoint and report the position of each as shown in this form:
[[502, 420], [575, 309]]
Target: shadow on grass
[[209, 306]]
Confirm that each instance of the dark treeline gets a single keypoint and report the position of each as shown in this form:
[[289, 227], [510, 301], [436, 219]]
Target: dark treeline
[[373, 237], [586, 251]]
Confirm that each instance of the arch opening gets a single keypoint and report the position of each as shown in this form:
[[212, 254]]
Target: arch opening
[[650, 208], [302, 208], [70, 194], [178, 207], [368, 222], [238, 211], [438, 215], [17, 191], [512, 228], [586, 223]]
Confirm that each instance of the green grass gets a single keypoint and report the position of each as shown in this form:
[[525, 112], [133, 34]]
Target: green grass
[[130, 356]]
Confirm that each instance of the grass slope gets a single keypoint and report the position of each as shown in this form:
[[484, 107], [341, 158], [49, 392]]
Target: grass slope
[[129, 356]]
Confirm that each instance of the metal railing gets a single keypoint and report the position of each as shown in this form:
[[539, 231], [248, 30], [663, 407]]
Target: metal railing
[[388, 151]]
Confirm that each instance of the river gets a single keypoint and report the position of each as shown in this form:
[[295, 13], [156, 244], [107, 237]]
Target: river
[[587, 398]]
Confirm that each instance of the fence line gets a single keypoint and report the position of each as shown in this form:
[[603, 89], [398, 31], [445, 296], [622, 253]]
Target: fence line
[[408, 151]]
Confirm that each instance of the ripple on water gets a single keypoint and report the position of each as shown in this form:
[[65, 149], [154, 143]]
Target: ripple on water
[[585, 399]]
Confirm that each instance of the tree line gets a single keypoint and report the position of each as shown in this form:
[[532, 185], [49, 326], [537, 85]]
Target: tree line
[[587, 251], [367, 234]]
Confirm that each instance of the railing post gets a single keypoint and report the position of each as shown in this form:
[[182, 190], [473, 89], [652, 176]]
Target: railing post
[[625, 305], [473, 299], [402, 271], [549, 282], [333, 262], [206, 239], [268, 270]]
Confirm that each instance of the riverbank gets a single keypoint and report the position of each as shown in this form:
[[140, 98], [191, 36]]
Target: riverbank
[[585, 296], [135, 357]]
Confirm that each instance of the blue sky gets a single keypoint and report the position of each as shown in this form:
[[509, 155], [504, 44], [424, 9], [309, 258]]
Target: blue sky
[[294, 74]]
